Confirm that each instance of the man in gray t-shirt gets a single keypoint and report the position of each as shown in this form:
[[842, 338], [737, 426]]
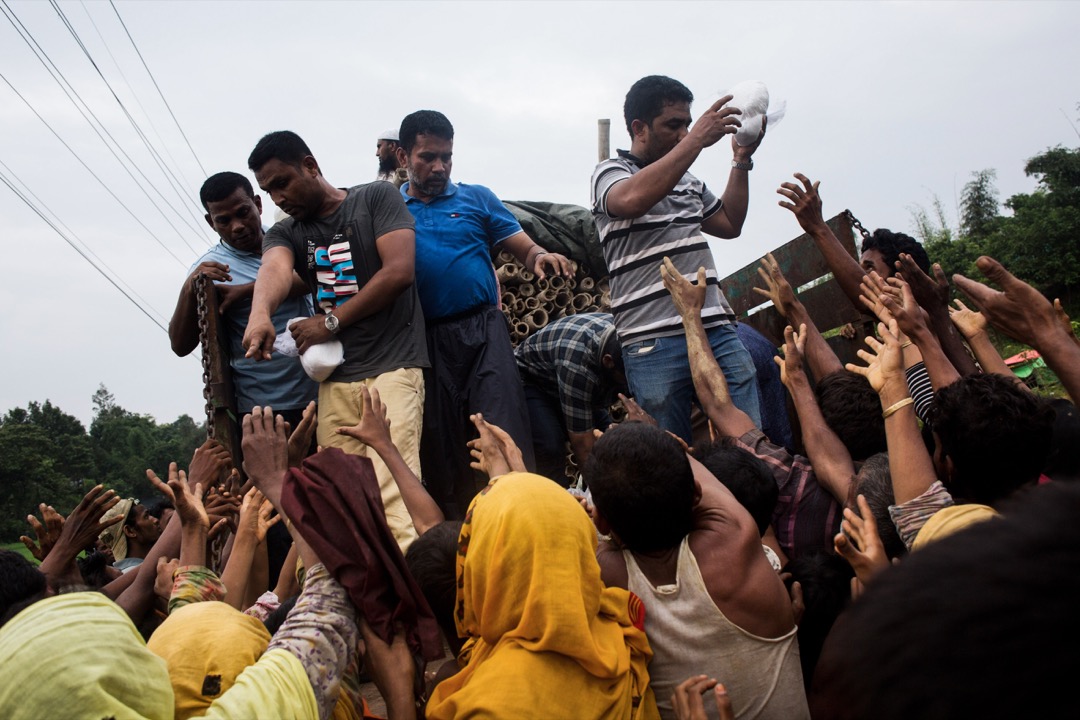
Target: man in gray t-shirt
[[355, 249]]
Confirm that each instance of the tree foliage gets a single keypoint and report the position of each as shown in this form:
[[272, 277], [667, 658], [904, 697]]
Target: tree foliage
[[48, 456]]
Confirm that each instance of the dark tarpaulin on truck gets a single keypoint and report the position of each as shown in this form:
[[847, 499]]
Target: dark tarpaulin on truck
[[565, 229]]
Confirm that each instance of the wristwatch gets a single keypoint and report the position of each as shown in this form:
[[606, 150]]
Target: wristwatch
[[747, 166], [331, 323]]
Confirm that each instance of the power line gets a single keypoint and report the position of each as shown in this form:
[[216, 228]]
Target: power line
[[72, 94], [26, 190], [135, 95], [170, 177], [92, 173], [49, 222], [158, 87]]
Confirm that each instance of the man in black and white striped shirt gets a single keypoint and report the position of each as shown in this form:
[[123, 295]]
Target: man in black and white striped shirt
[[647, 206]]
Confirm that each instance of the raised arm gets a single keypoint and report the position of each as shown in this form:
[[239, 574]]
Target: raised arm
[[374, 431], [910, 465], [912, 320], [933, 295], [806, 204], [637, 194], [828, 456], [709, 382], [1021, 312], [727, 222], [271, 288], [972, 325], [819, 355]]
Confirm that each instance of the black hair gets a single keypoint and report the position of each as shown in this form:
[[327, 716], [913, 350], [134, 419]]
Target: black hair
[[643, 486], [423, 122], [1063, 462], [852, 410], [874, 482], [283, 145], [613, 347], [222, 185], [745, 475], [997, 436], [647, 97], [980, 624], [432, 560], [890, 244], [276, 619], [157, 507], [826, 589], [21, 584], [92, 569]]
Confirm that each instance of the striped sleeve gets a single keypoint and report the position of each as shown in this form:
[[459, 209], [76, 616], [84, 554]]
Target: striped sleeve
[[605, 176], [918, 382]]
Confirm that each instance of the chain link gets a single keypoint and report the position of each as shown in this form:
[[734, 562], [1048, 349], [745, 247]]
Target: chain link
[[201, 284], [857, 225]]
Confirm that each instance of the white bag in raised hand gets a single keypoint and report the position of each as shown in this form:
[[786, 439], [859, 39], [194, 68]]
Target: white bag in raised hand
[[752, 97]]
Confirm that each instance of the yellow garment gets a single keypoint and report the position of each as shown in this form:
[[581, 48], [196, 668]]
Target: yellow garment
[[206, 645], [951, 520], [547, 639], [78, 655], [275, 688]]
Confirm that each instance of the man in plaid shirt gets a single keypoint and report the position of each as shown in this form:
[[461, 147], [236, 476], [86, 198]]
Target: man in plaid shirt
[[572, 370]]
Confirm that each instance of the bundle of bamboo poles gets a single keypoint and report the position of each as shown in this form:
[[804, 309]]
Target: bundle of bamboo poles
[[531, 303]]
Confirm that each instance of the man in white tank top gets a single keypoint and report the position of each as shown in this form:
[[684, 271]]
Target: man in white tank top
[[683, 543]]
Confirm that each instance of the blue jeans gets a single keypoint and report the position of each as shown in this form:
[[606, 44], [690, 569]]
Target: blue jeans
[[658, 372]]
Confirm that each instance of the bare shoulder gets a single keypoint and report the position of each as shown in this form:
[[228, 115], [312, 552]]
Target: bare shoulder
[[612, 565]]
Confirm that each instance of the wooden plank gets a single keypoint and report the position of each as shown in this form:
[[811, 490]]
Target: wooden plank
[[222, 395]]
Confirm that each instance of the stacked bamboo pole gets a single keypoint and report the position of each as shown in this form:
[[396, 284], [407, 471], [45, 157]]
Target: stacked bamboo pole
[[530, 303]]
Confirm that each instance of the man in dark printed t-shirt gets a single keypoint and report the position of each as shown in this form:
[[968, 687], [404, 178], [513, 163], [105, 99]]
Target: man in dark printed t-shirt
[[355, 248]]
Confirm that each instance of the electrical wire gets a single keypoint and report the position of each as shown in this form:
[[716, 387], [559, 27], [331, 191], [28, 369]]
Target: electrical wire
[[198, 162]]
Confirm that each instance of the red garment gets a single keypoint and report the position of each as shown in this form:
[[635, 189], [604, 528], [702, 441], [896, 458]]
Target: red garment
[[334, 502]]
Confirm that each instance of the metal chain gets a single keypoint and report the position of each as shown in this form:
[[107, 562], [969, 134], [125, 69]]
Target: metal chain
[[856, 224], [201, 284]]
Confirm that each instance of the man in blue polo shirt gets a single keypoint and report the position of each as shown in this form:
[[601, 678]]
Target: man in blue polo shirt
[[472, 362], [235, 212]]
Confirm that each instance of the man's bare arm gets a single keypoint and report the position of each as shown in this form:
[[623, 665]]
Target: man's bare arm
[[184, 324], [709, 382], [272, 286]]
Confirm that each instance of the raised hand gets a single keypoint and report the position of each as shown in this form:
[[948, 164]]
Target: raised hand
[[374, 427], [1018, 310], [805, 202], [257, 515], [932, 294], [911, 318], [84, 524], [688, 701], [688, 297], [872, 289], [494, 452], [187, 500], [266, 455], [716, 122], [860, 544], [47, 531], [777, 288], [635, 413], [300, 438], [210, 465], [1066, 322], [969, 322], [885, 365], [792, 362]]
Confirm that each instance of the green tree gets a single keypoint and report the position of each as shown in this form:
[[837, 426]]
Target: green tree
[[980, 211]]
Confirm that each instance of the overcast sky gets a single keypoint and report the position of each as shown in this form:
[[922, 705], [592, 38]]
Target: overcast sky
[[888, 103]]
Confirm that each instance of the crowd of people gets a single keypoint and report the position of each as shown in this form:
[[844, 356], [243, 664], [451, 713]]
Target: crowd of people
[[884, 539]]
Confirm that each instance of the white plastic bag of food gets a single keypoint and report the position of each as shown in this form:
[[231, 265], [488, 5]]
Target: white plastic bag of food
[[320, 361], [752, 97]]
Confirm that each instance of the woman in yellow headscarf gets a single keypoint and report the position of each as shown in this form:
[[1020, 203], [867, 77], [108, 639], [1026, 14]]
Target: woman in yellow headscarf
[[546, 639]]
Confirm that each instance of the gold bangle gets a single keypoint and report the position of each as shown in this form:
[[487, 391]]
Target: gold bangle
[[896, 406], [905, 344]]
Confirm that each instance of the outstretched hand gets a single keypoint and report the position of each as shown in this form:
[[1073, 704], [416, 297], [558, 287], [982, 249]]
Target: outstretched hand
[[81, 528], [47, 531], [911, 318], [210, 465], [792, 362], [805, 202], [257, 515], [688, 297], [300, 437], [885, 365], [969, 322], [1018, 310], [860, 544], [374, 427], [932, 294], [872, 289], [688, 701], [636, 413], [266, 455], [187, 500], [777, 288], [494, 452]]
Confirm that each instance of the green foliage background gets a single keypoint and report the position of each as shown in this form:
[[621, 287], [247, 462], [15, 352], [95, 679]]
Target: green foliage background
[[47, 455]]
